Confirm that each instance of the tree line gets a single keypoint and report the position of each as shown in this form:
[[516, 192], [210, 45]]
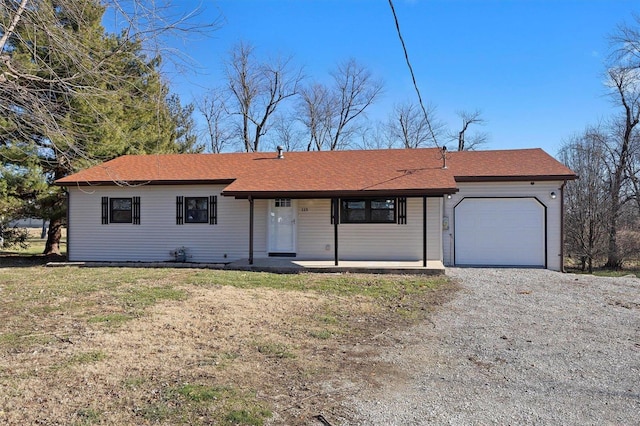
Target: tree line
[[261, 103], [603, 206]]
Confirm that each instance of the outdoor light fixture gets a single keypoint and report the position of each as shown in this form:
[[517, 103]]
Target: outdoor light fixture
[[553, 195], [448, 196]]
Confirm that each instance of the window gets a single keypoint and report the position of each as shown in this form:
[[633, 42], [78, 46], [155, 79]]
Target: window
[[196, 209], [283, 202], [121, 210], [369, 211]]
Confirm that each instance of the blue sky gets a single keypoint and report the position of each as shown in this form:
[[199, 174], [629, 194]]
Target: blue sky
[[534, 67]]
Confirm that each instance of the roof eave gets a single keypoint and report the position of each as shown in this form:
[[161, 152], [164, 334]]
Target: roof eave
[[432, 192], [521, 178], [144, 182]]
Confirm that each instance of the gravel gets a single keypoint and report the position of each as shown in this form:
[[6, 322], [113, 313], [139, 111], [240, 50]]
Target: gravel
[[517, 346]]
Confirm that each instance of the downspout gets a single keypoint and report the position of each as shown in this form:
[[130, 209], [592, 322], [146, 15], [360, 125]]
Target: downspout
[[68, 203], [336, 219], [250, 230], [424, 231], [562, 226]]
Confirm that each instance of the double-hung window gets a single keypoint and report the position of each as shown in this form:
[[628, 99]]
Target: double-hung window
[[121, 210], [378, 210], [196, 209]]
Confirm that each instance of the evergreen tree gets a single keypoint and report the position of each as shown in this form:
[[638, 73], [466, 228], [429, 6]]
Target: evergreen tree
[[72, 96]]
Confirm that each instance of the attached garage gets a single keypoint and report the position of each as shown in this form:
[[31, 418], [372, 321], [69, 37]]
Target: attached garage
[[500, 232]]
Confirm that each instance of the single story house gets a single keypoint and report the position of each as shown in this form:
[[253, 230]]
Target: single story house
[[476, 208]]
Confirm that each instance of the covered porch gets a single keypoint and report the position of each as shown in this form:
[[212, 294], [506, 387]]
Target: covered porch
[[322, 233]]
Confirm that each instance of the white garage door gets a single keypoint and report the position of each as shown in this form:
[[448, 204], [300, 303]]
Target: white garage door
[[500, 232]]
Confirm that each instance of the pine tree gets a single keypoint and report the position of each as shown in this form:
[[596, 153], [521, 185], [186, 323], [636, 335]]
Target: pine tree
[[72, 96]]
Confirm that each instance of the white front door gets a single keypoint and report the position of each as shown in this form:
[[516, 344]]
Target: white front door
[[282, 226]]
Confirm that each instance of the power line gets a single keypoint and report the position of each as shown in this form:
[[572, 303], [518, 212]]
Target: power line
[[413, 77]]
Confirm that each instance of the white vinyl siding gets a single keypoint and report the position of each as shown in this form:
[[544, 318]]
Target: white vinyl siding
[[158, 234], [315, 231], [539, 190]]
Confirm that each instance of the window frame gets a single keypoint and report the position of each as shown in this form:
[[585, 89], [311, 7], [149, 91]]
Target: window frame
[[368, 210], [112, 201], [201, 218], [282, 202]]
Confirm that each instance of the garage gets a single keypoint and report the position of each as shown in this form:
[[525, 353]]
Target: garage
[[500, 232]]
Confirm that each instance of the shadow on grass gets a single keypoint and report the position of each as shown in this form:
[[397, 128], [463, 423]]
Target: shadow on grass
[[19, 260]]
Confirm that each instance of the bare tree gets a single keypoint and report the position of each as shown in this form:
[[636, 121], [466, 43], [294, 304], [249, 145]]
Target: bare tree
[[466, 142], [354, 91], [586, 199], [257, 90], [623, 78], [633, 172], [331, 113], [408, 126], [212, 106], [287, 135], [376, 137], [314, 110]]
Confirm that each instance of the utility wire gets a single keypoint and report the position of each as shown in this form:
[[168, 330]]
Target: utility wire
[[413, 77]]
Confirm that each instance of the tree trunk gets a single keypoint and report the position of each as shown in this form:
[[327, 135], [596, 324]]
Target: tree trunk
[[54, 235], [613, 255]]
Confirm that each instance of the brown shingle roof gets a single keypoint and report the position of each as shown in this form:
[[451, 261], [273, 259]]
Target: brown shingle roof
[[401, 171], [516, 164]]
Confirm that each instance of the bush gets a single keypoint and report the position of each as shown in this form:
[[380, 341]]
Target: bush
[[13, 237]]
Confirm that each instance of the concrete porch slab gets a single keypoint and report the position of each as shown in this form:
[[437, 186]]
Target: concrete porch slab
[[283, 265]]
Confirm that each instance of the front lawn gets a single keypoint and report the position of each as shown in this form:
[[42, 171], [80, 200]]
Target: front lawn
[[179, 346]]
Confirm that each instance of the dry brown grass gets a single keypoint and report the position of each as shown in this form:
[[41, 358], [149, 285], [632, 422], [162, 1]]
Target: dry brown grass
[[150, 346]]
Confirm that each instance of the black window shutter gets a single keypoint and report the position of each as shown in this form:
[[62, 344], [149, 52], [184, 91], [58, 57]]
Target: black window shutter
[[105, 210], [402, 211], [136, 210], [179, 210], [213, 210]]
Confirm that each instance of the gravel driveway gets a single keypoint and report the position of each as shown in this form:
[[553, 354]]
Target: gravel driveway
[[518, 347]]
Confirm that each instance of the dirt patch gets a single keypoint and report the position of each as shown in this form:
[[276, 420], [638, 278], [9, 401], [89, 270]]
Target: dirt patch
[[251, 354]]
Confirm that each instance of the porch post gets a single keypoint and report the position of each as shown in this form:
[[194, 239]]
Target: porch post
[[424, 231], [250, 230], [336, 219]]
